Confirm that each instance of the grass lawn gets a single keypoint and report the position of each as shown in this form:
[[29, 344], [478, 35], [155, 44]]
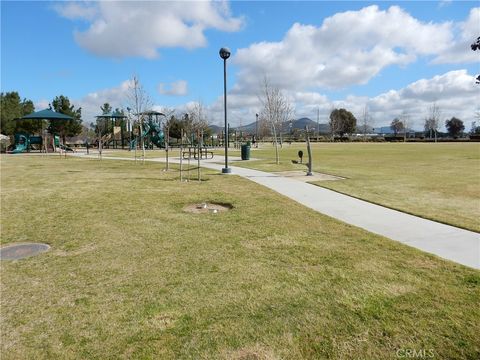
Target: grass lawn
[[436, 181], [131, 275]]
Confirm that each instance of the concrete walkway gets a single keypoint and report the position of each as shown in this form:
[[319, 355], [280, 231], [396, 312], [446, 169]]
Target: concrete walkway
[[448, 242]]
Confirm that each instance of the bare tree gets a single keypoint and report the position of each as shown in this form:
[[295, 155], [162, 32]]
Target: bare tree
[[405, 118], [276, 110], [263, 128], [334, 123], [365, 122], [433, 120], [198, 117], [139, 101]]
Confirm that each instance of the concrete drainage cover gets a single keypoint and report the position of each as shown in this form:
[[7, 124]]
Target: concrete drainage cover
[[20, 251], [207, 208]]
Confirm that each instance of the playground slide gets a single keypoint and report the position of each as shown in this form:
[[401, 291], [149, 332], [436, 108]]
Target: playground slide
[[149, 130], [159, 138], [65, 147], [133, 144], [19, 148]]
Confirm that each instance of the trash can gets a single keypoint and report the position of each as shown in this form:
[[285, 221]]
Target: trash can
[[245, 152]]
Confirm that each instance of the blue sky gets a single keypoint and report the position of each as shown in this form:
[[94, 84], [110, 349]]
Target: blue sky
[[87, 50]]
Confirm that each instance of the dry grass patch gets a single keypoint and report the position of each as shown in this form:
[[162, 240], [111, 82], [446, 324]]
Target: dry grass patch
[[436, 181], [130, 275]]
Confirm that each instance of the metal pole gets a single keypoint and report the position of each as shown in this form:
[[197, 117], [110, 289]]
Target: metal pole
[[181, 156], [166, 144], [198, 157], [225, 170]]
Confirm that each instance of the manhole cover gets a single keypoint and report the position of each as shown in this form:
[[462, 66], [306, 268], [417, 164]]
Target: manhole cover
[[20, 251], [206, 207]]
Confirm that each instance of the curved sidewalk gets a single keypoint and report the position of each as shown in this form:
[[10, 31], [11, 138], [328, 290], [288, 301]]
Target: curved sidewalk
[[448, 242]]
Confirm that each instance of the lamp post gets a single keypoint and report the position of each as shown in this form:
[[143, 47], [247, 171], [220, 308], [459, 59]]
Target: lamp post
[[225, 54]]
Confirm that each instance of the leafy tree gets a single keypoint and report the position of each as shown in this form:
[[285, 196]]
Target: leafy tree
[[106, 108], [397, 126], [174, 127], [476, 46], [66, 128], [12, 107], [454, 126], [342, 122]]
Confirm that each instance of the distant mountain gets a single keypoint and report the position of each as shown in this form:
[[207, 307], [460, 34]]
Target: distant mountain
[[302, 123], [215, 129], [296, 124]]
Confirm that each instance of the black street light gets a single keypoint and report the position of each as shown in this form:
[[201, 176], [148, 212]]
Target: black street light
[[225, 54]]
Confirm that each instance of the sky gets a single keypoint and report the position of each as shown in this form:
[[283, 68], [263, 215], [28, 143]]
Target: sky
[[395, 59]]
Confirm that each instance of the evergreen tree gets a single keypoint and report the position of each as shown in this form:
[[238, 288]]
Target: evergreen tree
[[66, 128], [342, 122], [454, 126], [12, 107]]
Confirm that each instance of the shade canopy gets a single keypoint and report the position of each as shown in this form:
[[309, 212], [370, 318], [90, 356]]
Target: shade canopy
[[114, 115], [46, 114], [152, 112]]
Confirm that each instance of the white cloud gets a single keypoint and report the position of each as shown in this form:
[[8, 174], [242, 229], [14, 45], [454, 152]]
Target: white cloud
[[454, 92], [41, 104], [443, 3], [347, 48], [459, 51], [131, 28], [76, 10], [177, 88], [91, 103]]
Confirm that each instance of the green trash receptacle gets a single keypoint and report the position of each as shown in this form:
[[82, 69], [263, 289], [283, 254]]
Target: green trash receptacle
[[245, 152]]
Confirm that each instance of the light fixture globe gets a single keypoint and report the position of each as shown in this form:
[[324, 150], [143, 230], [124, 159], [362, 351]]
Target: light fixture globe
[[224, 53]]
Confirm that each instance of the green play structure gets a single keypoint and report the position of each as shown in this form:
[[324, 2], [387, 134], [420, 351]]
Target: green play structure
[[24, 142], [152, 134]]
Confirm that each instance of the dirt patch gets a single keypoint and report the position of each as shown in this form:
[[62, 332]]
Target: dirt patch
[[20, 251], [207, 208], [256, 352]]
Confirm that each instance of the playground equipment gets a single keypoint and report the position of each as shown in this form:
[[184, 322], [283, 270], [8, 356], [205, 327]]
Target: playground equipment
[[152, 135], [117, 133], [24, 142], [21, 144]]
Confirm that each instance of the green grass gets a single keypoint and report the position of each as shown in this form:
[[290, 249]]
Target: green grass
[[130, 275], [435, 181]]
